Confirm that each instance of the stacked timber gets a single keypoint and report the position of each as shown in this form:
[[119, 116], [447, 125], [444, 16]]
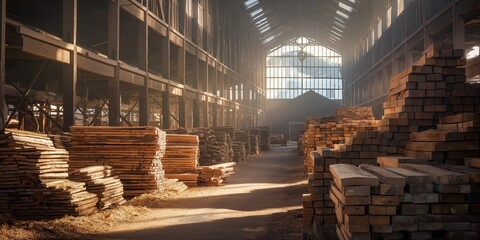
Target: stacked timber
[[331, 131], [433, 87], [319, 209], [301, 140], [62, 141], [239, 152], [226, 142], [215, 175], [348, 114], [263, 136], [175, 185], [350, 191], [214, 147], [243, 136], [415, 201], [456, 137], [254, 147], [134, 153], [34, 179], [100, 180], [181, 158]]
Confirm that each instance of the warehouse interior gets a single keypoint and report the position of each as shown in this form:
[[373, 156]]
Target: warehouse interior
[[245, 119]]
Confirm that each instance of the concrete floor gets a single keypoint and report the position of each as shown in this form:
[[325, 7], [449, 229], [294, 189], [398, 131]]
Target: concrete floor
[[262, 200]]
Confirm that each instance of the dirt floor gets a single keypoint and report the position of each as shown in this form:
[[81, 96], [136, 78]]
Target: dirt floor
[[262, 200]]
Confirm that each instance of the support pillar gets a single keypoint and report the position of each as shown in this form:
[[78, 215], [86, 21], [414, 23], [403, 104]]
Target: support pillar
[[165, 67], [113, 53], [143, 62], [458, 30], [69, 70], [3, 104], [182, 115]]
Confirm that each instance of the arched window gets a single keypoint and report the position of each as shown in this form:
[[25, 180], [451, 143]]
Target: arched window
[[302, 65]]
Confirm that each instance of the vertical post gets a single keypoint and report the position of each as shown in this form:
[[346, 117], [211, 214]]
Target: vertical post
[[196, 102], [113, 53], [181, 106], [143, 63], [69, 70], [458, 29], [234, 117], [165, 65], [3, 104]]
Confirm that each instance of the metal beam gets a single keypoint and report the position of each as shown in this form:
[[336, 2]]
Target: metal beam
[[3, 105], [143, 62], [113, 52], [69, 70]]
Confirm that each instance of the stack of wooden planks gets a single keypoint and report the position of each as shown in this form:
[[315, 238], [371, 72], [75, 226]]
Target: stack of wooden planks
[[330, 131], [134, 153], [318, 207], [433, 87], [347, 114], [263, 136], [243, 136], [239, 152], [62, 141], [181, 158], [175, 185], [350, 191], [214, 147], [415, 201], [254, 147], [215, 175], [34, 179], [100, 180], [456, 137], [423, 97]]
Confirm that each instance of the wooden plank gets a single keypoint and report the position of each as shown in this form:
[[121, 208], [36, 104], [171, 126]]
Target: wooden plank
[[349, 175]]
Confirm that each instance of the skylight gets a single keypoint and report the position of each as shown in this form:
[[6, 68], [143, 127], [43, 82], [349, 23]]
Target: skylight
[[345, 7], [340, 20], [261, 21], [256, 12], [342, 14], [339, 23], [250, 3], [264, 28], [338, 29], [268, 39]]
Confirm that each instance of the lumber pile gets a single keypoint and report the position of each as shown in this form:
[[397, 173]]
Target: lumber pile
[[175, 185], [254, 146], [215, 175], [62, 141], [34, 179], [318, 208], [423, 119], [263, 136], [181, 158], [214, 147], [243, 136], [331, 131], [432, 88], [100, 180], [347, 114], [456, 137], [239, 152], [415, 201], [134, 153]]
